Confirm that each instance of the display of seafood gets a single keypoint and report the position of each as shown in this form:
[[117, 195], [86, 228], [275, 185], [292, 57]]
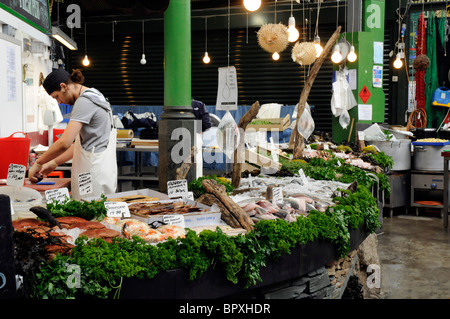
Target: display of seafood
[[163, 208], [298, 197]]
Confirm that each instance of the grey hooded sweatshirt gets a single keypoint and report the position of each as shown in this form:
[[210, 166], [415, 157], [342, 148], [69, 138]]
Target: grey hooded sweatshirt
[[94, 111]]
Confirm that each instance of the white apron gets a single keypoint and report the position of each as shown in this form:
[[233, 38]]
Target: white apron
[[102, 166]]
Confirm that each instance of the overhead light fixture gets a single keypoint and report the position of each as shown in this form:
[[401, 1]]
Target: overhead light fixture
[[275, 56], [85, 61], [293, 33], [319, 48], [317, 45], [252, 5], [398, 61], [206, 58], [336, 57], [351, 57], [59, 35], [143, 60]]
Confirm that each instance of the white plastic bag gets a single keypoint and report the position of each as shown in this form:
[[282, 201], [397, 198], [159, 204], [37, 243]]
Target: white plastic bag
[[228, 134], [306, 123]]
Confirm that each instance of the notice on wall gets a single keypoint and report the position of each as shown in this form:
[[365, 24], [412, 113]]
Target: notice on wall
[[378, 52], [365, 112], [377, 76], [227, 91], [11, 90]]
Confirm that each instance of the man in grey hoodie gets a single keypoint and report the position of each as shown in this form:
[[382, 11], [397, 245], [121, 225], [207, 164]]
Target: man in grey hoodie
[[89, 139]]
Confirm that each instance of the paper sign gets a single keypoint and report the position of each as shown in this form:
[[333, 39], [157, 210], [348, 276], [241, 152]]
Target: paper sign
[[85, 183], [277, 195], [177, 220], [189, 195], [365, 112], [227, 91], [59, 195], [117, 209], [16, 175], [303, 176], [177, 188], [377, 76]]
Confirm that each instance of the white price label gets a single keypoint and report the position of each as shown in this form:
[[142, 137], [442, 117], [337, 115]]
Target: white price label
[[117, 209], [339, 163], [59, 195], [177, 188], [189, 195], [325, 147], [308, 148], [85, 183], [177, 220], [16, 175], [277, 195], [303, 176]]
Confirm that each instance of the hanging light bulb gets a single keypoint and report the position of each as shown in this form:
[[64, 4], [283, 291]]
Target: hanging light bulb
[[143, 60], [275, 56], [86, 61], [317, 45], [351, 57], [206, 58], [293, 33], [252, 5], [398, 62], [336, 57]]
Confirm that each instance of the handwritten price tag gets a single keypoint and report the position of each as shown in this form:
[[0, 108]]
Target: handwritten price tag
[[303, 176], [59, 195], [277, 195], [117, 209], [85, 183], [177, 188], [177, 220], [16, 175]]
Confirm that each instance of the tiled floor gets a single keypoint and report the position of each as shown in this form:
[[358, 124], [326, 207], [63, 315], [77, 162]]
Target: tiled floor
[[414, 254]]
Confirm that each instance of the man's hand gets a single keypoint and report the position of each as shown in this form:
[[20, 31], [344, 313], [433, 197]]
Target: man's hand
[[34, 172], [48, 167]]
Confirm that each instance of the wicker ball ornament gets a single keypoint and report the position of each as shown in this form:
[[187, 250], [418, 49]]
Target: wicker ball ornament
[[304, 53], [421, 62], [273, 37]]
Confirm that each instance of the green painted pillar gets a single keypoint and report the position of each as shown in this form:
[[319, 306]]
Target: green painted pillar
[[178, 130], [367, 41], [177, 59]]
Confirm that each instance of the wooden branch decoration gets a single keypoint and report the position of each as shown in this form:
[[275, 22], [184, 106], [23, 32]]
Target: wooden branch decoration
[[233, 210], [183, 170], [239, 153], [297, 141]]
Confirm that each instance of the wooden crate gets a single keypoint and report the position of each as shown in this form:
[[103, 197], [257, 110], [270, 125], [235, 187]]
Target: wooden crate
[[276, 124]]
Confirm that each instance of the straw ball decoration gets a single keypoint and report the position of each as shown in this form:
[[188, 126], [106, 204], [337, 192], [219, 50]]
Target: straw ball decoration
[[304, 53], [421, 62], [273, 37]]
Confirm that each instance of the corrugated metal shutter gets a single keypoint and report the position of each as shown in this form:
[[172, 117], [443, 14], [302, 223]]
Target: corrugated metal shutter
[[116, 70]]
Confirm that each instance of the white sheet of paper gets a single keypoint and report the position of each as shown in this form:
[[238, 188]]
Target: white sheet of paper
[[365, 112]]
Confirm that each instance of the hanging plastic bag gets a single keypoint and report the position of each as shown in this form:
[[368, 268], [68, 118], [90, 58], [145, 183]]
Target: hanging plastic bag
[[344, 119], [228, 134], [306, 123]]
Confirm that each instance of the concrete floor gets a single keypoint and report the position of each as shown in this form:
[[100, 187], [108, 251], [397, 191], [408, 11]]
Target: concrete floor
[[414, 253]]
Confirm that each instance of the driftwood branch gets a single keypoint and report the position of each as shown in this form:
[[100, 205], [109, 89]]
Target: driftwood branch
[[296, 141], [183, 170], [239, 153], [233, 210]]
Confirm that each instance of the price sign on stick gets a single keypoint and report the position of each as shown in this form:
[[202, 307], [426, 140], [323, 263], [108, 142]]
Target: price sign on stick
[[117, 209], [303, 176], [16, 175], [85, 183], [177, 188], [277, 195], [59, 195]]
